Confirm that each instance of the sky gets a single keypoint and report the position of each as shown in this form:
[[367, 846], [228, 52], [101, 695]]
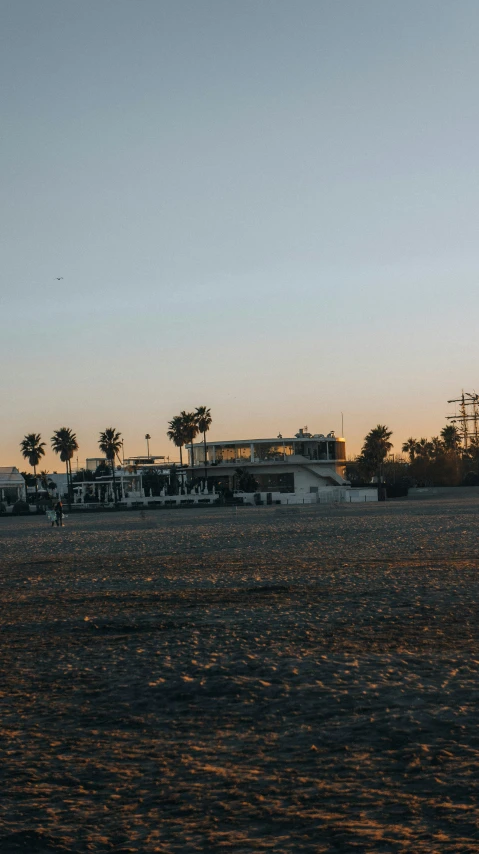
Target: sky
[[268, 207]]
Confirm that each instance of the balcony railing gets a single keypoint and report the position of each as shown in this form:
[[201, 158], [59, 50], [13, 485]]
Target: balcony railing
[[239, 462]]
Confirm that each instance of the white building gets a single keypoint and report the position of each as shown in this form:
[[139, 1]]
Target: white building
[[12, 485], [302, 464], [100, 490], [61, 484], [146, 462], [92, 463]]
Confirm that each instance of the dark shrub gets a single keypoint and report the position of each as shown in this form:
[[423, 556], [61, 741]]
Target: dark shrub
[[21, 508]]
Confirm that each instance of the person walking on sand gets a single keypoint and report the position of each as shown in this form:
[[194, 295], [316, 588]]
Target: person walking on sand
[[59, 513]]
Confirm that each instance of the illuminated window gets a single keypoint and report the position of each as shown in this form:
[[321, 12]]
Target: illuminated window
[[229, 453], [243, 453], [274, 451]]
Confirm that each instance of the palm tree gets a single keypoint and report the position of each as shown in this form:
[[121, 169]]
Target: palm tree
[[437, 447], [203, 420], [110, 444], [190, 429], [410, 447], [451, 437], [33, 450], [46, 481], [375, 449], [176, 433], [64, 442], [424, 448]]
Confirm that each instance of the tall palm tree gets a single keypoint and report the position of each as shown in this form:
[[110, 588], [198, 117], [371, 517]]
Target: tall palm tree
[[176, 434], [64, 442], [376, 448], [33, 450], [451, 437], [110, 444], [410, 447], [203, 420], [190, 428]]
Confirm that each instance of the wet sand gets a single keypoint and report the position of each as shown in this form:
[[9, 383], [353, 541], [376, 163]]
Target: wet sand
[[266, 679]]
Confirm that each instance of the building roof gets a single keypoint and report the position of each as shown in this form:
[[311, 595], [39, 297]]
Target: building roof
[[10, 476]]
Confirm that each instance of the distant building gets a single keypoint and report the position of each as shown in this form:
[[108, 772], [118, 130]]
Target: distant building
[[141, 462], [147, 462], [301, 464], [92, 463], [12, 485], [61, 484]]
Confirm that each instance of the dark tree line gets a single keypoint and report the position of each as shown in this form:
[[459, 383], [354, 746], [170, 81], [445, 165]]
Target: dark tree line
[[439, 461]]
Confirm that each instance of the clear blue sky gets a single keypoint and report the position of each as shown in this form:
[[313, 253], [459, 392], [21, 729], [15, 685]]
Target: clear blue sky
[[267, 207]]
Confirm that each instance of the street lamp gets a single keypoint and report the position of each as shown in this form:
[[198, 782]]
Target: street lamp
[[148, 437]]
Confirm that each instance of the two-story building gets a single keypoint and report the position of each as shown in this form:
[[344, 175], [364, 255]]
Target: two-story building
[[303, 463]]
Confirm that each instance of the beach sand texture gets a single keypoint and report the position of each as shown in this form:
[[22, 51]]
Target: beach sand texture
[[260, 679]]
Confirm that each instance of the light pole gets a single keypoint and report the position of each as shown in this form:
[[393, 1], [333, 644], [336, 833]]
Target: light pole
[[148, 437]]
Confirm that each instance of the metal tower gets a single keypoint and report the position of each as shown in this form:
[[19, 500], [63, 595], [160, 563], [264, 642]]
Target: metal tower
[[467, 419]]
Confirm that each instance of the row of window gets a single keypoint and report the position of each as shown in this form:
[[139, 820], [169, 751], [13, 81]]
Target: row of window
[[265, 482], [240, 454]]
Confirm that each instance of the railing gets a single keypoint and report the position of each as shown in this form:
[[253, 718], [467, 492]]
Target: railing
[[287, 458]]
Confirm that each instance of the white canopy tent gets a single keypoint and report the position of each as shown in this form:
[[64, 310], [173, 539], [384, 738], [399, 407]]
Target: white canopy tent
[[12, 484]]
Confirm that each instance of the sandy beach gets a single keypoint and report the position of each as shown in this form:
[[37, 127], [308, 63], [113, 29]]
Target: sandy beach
[[260, 679]]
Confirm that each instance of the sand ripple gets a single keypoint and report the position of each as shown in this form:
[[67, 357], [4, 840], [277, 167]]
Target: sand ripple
[[249, 681]]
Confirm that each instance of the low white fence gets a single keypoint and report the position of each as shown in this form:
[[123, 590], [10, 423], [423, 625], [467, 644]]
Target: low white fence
[[326, 495], [360, 496]]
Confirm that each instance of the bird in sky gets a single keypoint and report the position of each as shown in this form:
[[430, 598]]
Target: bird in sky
[[59, 278]]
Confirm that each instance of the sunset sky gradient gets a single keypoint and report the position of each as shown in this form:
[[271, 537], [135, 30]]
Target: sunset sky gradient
[[270, 208]]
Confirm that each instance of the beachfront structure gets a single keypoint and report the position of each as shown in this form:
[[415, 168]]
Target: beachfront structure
[[92, 463], [142, 462], [304, 463], [128, 485], [147, 462], [59, 490], [12, 485]]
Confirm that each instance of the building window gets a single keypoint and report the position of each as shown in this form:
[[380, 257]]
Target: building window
[[274, 451], [220, 482], [229, 453], [275, 482], [243, 453], [219, 453], [199, 455]]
